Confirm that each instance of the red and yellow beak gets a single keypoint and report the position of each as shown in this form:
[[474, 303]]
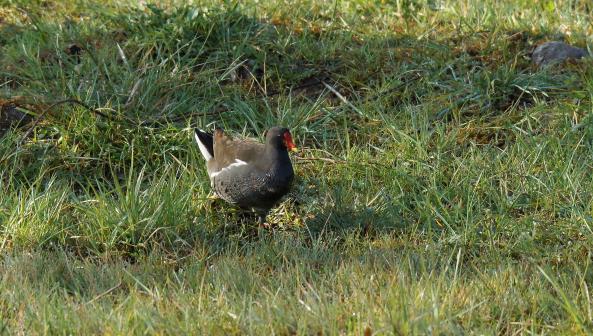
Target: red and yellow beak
[[289, 143]]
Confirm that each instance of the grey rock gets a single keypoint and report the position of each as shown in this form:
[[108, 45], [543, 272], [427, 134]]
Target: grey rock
[[555, 52]]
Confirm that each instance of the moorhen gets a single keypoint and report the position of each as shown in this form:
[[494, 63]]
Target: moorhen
[[247, 173]]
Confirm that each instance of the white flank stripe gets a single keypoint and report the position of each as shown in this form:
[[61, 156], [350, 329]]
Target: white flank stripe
[[237, 163], [203, 149]]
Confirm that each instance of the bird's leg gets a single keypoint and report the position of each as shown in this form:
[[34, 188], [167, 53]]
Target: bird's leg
[[212, 200], [261, 217]]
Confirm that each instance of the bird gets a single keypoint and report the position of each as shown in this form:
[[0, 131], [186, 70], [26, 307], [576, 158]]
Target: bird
[[246, 173]]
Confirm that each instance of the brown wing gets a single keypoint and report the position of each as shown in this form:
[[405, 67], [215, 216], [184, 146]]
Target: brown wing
[[227, 150]]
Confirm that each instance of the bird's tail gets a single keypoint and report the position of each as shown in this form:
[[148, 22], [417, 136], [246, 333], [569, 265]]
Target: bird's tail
[[206, 144]]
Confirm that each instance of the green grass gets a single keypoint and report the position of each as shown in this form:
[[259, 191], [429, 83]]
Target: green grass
[[449, 192]]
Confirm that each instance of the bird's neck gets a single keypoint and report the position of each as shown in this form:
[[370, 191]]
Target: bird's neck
[[278, 157]]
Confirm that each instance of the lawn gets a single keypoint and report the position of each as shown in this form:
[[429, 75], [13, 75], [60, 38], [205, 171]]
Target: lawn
[[444, 184]]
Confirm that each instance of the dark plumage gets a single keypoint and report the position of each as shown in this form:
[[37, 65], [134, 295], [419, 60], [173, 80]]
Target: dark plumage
[[247, 173]]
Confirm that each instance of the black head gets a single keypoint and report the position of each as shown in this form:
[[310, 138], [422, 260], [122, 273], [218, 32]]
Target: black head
[[280, 137]]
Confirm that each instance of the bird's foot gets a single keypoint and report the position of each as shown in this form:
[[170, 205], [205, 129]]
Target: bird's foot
[[213, 201], [265, 225]]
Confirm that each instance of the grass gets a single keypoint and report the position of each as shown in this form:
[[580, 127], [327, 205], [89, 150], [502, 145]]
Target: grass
[[446, 190]]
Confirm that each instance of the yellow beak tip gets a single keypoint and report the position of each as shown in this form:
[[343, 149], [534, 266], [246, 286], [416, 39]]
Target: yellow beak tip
[[294, 149]]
